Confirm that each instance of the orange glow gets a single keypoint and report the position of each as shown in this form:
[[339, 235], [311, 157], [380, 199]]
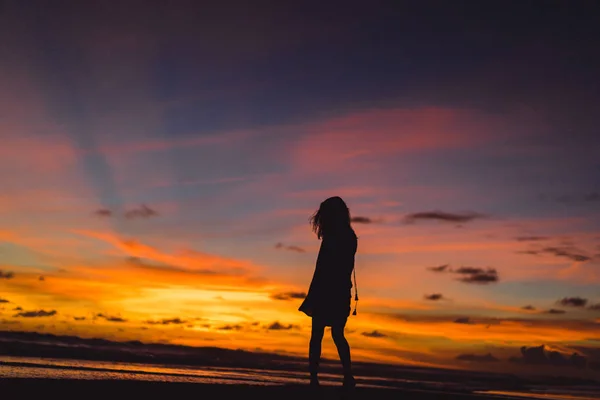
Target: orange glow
[[161, 279]]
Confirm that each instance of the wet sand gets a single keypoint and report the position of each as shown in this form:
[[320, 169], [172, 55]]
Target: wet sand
[[111, 389]]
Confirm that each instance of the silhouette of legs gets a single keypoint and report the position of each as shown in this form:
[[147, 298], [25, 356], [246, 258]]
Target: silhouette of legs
[[343, 348], [314, 349]]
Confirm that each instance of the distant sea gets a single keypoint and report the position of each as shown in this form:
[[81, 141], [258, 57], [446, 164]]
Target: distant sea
[[45, 368]]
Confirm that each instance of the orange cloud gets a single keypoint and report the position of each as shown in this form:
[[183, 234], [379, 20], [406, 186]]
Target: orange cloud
[[134, 294], [187, 259], [499, 331]]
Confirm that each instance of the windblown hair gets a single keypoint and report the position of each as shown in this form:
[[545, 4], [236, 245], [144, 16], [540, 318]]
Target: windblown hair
[[333, 216]]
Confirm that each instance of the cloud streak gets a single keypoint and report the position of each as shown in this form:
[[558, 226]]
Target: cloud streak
[[477, 275], [36, 314], [374, 334], [6, 274], [573, 302], [361, 220], [110, 318], [442, 216], [103, 212], [277, 326], [167, 321], [472, 275], [285, 296], [143, 212], [568, 252], [296, 249]]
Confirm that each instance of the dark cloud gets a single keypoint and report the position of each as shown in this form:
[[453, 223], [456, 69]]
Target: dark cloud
[[79, 318], [441, 268], [374, 334], [528, 308], [531, 238], [4, 301], [542, 355], [477, 358], [477, 275], [442, 216], [297, 249], [434, 296], [530, 252], [595, 307], [288, 295], [276, 326], [6, 275], [231, 328], [139, 263], [568, 252], [554, 311], [463, 320], [42, 278], [18, 309], [473, 275], [483, 278], [533, 321], [168, 321], [573, 302], [36, 314], [9, 322], [143, 212], [103, 212], [110, 318], [590, 197], [361, 220]]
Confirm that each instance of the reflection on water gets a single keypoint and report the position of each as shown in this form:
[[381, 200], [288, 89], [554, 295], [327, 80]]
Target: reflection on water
[[567, 395], [45, 368], [18, 367]]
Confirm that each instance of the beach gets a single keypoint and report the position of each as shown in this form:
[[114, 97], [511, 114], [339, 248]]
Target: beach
[[75, 389]]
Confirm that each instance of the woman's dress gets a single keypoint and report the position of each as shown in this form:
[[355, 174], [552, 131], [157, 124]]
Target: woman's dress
[[329, 295]]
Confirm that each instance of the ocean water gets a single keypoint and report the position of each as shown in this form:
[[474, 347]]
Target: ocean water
[[49, 368], [570, 394]]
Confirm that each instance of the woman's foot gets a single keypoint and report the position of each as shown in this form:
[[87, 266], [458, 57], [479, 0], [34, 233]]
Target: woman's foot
[[349, 382], [314, 381]]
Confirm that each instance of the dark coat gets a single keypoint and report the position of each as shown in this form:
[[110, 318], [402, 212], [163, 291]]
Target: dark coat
[[329, 295]]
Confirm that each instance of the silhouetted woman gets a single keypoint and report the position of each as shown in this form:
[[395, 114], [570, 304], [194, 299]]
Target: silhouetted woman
[[329, 296]]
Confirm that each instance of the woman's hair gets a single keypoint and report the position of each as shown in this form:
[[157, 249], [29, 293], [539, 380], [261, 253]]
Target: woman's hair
[[332, 216]]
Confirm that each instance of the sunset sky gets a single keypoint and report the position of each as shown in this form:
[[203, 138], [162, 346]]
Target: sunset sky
[[159, 163]]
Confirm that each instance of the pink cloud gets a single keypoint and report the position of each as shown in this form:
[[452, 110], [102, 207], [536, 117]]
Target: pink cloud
[[356, 141], [44, 154]]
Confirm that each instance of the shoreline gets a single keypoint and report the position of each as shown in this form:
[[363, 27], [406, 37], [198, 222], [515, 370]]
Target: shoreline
[[30, 388]]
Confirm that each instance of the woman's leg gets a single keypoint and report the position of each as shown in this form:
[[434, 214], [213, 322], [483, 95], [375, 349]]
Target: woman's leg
[[314, 349], [343, 348]]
